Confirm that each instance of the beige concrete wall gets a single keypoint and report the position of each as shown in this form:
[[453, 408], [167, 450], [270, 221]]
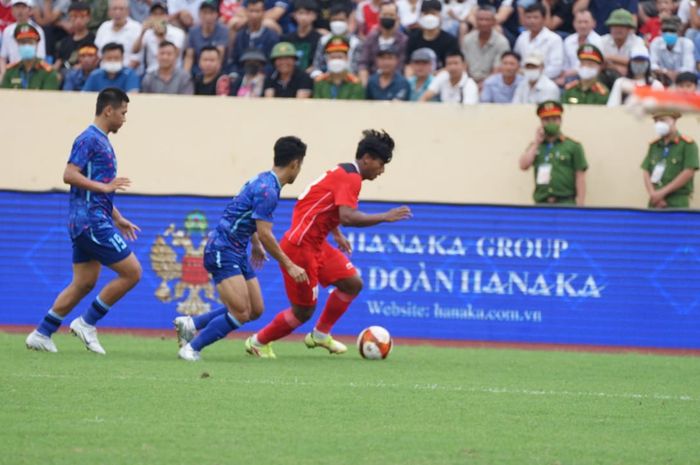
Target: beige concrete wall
[[210, 145]]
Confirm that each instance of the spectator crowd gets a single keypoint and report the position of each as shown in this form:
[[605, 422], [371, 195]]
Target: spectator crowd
[[463, 51]]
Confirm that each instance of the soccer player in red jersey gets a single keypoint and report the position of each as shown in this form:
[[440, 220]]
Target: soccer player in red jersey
[[326, 204]]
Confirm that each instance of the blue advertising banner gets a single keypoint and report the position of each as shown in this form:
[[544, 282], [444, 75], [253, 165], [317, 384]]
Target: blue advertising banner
[[469, 272]]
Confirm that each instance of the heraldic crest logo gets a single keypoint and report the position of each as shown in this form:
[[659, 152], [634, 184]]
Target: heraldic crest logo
[[190, 272]]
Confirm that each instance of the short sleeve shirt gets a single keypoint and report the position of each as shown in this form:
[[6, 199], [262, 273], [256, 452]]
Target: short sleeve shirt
[[566, 157], [679, 155]]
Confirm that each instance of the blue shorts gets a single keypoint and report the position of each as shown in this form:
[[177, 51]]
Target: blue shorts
[[224, 263], [105, 245]]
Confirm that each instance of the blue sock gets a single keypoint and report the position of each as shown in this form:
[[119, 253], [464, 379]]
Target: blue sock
[[50, 324], [217, 329], [96, 312], [200, 321]]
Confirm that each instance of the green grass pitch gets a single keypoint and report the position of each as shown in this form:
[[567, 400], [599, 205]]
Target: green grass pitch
[[424, 405]]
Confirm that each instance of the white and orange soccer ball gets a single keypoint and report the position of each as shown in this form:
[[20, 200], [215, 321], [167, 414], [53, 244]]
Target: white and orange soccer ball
[[374, 343]]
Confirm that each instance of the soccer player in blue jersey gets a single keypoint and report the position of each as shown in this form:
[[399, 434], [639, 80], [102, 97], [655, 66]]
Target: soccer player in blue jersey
[[247, 219], [97, 229]]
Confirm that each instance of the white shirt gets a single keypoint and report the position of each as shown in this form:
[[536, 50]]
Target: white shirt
[[407, 15], [151, 43], [610, 48], [126, 36], [10, 51], [571, 47], [615, 97], [684, 11], [191, 6], [466, 91], [543, 90], [549, 44], [680, 58]]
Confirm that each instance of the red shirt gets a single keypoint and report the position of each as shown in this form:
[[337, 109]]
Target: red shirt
[[651, 29], [6, 17], [316, 213]]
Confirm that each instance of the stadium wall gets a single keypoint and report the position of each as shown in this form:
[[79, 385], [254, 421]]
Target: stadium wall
[[209, 146], [607, 277]]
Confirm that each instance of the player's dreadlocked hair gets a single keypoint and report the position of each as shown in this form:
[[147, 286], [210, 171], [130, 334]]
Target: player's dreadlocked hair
[[378, 144]]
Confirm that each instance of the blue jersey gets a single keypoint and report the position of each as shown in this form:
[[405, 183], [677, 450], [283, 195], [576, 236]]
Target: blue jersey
[[257, 200], [93, 154]]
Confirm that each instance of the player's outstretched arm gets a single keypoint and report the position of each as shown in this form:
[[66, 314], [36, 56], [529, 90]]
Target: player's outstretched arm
[[73, 176], [351, 217], [273, 248]]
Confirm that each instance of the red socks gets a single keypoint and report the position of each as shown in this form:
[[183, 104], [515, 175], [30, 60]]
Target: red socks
[[338, 302], [282, 325]]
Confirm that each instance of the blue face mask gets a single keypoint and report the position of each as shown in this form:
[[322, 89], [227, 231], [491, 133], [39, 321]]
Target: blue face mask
[[670, 38], [27, 51]]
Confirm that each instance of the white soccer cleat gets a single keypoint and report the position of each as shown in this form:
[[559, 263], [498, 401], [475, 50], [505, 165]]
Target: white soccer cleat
[[39, 342], [88, 334], [184, 327], [188, 354]]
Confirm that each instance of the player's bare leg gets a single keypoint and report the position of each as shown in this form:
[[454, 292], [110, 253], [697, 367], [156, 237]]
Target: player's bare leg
[[84, 278], [346, 290], [128, 275], [235, 295]]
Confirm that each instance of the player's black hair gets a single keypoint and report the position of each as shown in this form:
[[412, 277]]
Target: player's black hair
[[112, 97], [429, 6], [510, 53], [536, 7], [454, 53], [378, 144], [167, 43], [288, 149], [112, 46], [209, 48]]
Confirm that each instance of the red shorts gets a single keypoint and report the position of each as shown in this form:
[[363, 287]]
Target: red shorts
[[325, 266]]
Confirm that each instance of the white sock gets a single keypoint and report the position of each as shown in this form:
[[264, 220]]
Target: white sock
[[319, 336]]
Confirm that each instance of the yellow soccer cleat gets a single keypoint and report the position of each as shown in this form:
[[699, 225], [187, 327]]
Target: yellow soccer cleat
[[262, 351], [330, 344]]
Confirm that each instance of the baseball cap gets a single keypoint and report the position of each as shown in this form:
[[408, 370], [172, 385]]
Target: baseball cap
[[535, 59], [29, 3], [253, 54], [639, 53], [423, 54]]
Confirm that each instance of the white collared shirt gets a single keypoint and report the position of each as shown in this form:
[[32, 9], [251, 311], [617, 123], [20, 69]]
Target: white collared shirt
[[543, 90], [549, 44], [465, 91], [10, 50], [680, 58], [610, 48], [126, 36], [571, 47]]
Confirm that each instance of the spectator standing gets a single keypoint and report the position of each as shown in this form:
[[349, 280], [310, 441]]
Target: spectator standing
[[388, 83], [168, 78], [538, 38], [112, 72], [484, 46], [338, 83], [536, 87], [287, 80], [31, 72], [559, 162], [386, 35], [453, 84], [430, 35], [422, 67], [587, 89], [619, 43], [500, 88], [88, 61], [120, 29], [208, 33], [670, 164]]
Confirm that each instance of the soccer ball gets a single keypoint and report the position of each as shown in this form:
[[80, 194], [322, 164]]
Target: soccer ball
[[374, 343]]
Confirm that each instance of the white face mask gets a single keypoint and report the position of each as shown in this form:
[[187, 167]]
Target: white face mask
[[429, 22], [662, 128], [112, 67], [532, 74], [337, 65], [587, 73], [339, 28]]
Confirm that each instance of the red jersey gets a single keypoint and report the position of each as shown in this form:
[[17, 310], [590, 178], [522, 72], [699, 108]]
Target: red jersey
[[6, 17], [316, 212]]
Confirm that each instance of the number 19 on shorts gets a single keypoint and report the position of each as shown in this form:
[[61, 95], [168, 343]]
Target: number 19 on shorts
[[117, 242]]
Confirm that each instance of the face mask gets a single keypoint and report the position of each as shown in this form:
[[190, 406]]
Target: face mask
[[387, 23], [251, 69], [670, 38], [639, 68], [338, 28], [429, 22], [337, 65], [662, 128], [586, 73], [532, 74], [112, 67], [27, 51], [551, 129]]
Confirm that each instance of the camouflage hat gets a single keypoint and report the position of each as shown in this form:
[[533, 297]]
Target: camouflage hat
[[283, 50], [549, 108], [621, 17], [26, 31], [591, 53]]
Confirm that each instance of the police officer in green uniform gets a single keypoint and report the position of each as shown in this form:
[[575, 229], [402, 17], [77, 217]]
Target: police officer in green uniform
[[560, 164], [30, 72], [670, 164], [587, 88], [338, 83]]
